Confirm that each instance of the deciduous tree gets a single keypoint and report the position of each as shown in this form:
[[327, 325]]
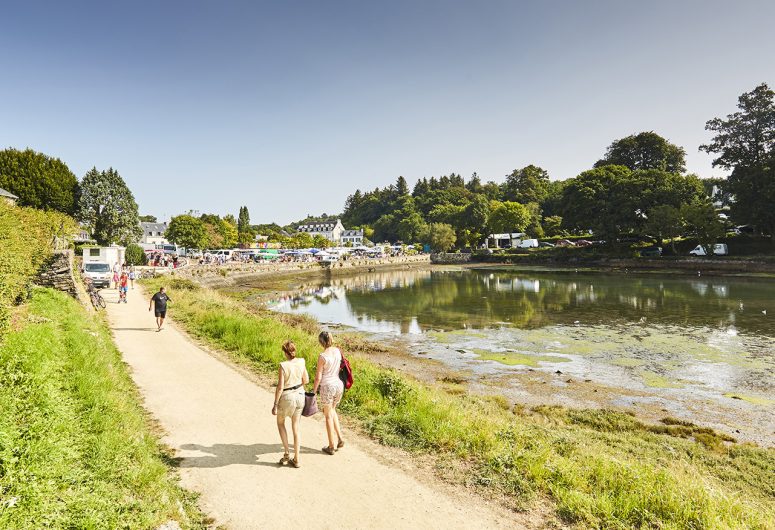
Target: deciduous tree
[[646, 150], [509, 216], [411, 228], [440, 236], [476, 218], [187, 231], [552, 226], [319, 241], [39, 180], [754, 190], [529, 184], [664, 222], [701, 221], [107, 205], [746, 138]]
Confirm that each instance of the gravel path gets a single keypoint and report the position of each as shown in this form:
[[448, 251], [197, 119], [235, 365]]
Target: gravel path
[[219, 423]]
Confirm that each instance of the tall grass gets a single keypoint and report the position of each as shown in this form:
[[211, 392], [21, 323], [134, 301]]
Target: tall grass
[[75, 447], [599, 468]]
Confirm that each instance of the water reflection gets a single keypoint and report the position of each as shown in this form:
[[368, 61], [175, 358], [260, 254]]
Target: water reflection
[[416, 301]]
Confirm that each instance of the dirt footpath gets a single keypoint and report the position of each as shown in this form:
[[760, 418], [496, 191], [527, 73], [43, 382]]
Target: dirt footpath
[[220, 424]]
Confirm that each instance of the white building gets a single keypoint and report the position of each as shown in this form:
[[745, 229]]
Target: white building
[[8, 197], [153, 233], [509, 240], [330, 230], [352, 236]]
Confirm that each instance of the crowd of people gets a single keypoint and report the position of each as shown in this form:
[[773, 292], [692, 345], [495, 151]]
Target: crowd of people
[[161, 259]]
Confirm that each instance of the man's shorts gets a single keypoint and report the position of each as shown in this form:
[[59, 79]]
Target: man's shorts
[[162, 314], [125, 289]]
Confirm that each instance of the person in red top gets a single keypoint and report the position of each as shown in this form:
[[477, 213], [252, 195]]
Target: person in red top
[[123, 287]]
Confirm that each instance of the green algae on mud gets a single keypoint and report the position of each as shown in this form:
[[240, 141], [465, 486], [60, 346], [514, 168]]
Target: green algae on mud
[[511, 358], [756, 400], [655, 380]]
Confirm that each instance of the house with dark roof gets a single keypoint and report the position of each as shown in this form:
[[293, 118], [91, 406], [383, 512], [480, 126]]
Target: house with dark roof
[[331, 230], [153, 233], [8, 197], [352, 236]]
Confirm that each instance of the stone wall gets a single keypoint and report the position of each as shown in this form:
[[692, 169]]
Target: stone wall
[[231, 273], [450, 258], [58, 273]]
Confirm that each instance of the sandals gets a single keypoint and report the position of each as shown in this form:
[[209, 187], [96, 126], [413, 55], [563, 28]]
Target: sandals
[[329, 450], [340, 444], [285, 459], [295, 463]]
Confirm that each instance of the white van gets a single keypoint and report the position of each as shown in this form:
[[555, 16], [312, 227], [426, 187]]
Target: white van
[[719, 249], [99, 272], [528, 243]]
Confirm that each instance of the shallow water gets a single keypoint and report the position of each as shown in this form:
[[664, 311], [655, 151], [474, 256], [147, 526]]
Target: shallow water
[[706, 340]]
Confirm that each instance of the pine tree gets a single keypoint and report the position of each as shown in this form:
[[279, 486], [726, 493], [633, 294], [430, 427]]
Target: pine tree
[[402, 188], [244, 232]]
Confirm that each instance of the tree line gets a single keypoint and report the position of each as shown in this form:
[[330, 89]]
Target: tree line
[[639, 186], [101, 200]]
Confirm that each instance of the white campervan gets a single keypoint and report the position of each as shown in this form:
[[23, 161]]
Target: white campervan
[[99, 262], [719, 249]]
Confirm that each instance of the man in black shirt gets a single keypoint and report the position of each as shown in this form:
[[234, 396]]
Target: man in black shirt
[[159, 301]]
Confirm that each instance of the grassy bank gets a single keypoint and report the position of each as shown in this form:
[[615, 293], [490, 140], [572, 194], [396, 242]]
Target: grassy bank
[[75, 447], [598, 468]]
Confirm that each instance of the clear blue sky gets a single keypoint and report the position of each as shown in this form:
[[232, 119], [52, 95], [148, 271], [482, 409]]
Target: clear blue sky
[[287, 107]]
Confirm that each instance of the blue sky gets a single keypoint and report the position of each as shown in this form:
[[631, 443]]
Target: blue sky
[[287, 107]]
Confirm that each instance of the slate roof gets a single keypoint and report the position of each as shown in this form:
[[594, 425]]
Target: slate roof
[[6, 193], [153, 227]]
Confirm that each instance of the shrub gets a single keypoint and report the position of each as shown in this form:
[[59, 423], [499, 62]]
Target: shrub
[[135, 255], [26, 241], [183, 284], [393, 387]]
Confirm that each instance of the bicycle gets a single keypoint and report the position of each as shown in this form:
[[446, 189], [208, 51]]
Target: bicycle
[[96, 298]]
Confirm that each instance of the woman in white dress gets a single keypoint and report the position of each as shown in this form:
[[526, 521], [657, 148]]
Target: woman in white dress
[[331, 389]]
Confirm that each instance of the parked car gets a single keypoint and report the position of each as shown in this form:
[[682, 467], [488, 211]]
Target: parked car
[[651, 252], [565, 243], [545, 244], [719, 249], [583, 243]]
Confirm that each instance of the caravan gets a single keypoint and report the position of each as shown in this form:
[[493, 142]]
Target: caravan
[[99, 262], [719, 249]]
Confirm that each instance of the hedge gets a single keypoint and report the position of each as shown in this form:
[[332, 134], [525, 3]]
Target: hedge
[[26, 241]]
